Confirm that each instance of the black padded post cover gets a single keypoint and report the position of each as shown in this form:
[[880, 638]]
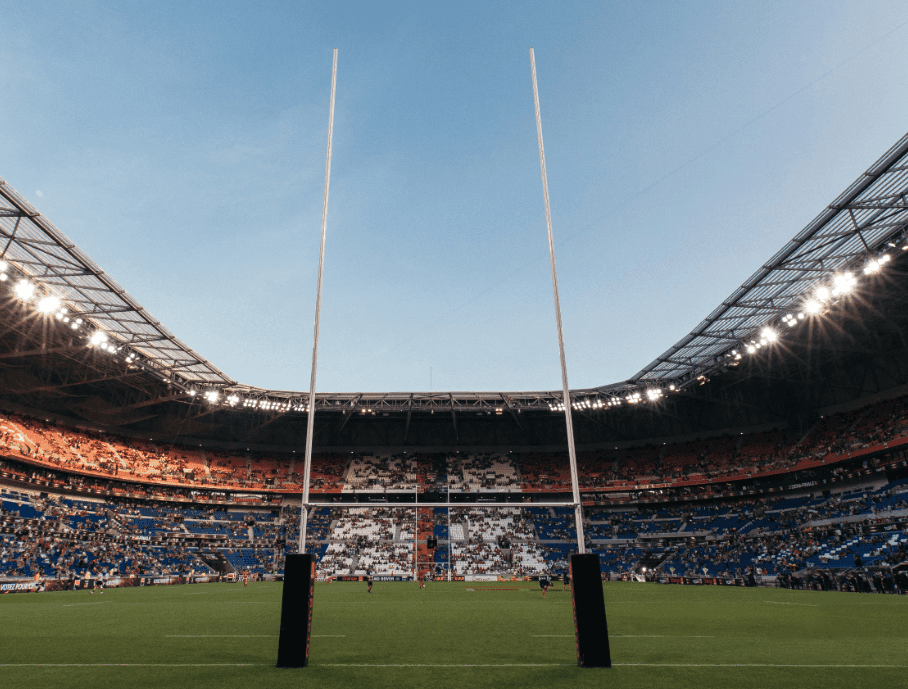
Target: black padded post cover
[[589, 612], [296, 611]]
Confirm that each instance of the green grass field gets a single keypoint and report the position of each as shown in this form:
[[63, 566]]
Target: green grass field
[[216, 635]]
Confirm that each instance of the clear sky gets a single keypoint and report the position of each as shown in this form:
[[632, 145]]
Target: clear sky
[[182, 146]]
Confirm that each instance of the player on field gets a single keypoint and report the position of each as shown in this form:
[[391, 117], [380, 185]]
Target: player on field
[[544, 583], [99, 584], [369, 580], [245, 578], [422, 579], [566, 581]]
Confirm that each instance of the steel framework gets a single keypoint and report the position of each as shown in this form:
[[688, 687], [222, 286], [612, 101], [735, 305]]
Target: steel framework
[[868, 218], [41, 252]]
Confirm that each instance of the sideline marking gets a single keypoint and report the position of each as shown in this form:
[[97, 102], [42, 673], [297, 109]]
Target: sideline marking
[[777, 602]]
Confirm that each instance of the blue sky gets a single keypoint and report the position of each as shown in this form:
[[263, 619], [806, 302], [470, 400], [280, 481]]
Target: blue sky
[[182, 146]]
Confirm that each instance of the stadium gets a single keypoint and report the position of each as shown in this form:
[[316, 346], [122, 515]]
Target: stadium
[[745, 493]]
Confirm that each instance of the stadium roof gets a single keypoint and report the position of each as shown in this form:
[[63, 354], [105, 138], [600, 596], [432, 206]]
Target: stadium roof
[[859, 227], [868, 219], [43, 253]]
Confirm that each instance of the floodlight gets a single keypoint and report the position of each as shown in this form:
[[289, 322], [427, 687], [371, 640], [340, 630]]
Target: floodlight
[[769, 334], [822, 294], [751, 349], [3, 276], [24, 290], [872, 266], [812, 306], [843, 283], [212, 396], [883, 259], [99, 338], [3, 266], [653, 394], [48, 304]]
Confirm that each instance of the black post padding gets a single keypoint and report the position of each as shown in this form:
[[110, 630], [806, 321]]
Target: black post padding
[[296, 611], [589, 612]]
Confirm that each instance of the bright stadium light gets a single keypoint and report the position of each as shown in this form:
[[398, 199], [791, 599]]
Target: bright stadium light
[[98, 339], [48, 305], [812, 307], [769, 335], [822, 294], [844, 283], [872, 266], [212, 396], [24, 290], [653, 394], [884, 259], [751, 349]]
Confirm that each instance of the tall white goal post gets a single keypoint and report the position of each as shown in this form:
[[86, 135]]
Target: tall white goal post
[[586, 591]]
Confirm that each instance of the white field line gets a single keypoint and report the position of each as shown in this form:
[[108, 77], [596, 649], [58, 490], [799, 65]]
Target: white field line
[[626, 636], [698, 665], [777, 602], [717, 665], [246, 636], [100, 602], [755, 665]]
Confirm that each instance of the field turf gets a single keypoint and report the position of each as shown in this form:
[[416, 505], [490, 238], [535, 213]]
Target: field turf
[[453, 635]]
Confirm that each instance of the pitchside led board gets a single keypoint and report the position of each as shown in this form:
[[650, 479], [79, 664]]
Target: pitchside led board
[[296, 610]]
